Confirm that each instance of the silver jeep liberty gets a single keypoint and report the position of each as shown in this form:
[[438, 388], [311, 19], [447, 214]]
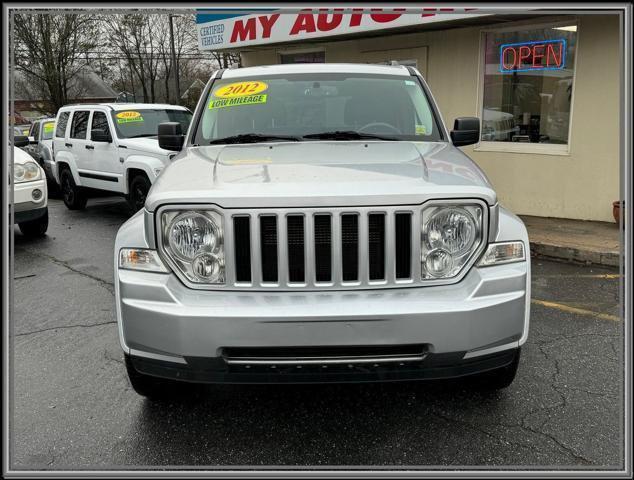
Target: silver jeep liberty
[[320, 225]]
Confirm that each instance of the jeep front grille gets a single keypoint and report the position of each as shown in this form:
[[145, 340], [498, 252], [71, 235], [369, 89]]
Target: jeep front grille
[[323, 248]]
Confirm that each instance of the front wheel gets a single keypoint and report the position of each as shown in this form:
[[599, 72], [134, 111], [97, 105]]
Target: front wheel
[[35, 228], [74, 197], [139, 188]]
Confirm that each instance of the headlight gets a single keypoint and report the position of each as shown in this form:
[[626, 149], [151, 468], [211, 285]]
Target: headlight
[[450, 235], [194, 241], [26, 172]]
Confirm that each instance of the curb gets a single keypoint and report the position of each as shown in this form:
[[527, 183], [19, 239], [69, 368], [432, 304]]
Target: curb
[[577, 255]]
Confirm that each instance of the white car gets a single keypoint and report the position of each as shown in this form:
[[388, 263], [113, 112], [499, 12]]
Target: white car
[[29, 192], [111, 147]]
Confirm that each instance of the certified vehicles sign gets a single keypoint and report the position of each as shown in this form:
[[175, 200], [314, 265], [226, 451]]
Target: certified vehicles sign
[[220, 29]]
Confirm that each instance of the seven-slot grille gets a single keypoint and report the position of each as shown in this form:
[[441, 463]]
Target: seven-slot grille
[[322, 249]]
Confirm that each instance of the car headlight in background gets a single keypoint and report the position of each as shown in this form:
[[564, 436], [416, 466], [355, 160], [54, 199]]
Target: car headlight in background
[[450, 235], [26, 172], [194, 241]]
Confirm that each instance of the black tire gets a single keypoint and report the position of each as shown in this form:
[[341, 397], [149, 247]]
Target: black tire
[[156, 388], [139, 188], [74, 197], [35, 228], [499, 378], [53, 188]]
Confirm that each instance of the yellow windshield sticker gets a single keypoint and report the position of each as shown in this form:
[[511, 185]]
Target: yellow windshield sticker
[[240, 89], [233, 102], [129, 116], [49, 127], [421, 130]]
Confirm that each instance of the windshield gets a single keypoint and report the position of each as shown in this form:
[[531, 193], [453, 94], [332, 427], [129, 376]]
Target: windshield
[[340, 105], [145, 122], [48, 128]]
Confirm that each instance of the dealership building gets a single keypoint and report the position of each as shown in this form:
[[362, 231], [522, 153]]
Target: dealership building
[[546, 87]]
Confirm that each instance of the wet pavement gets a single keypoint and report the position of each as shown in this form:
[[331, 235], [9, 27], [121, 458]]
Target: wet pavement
[[73, 408]]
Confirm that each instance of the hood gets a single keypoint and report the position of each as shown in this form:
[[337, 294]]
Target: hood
[[21, 157], [320, 174], [145, 145]]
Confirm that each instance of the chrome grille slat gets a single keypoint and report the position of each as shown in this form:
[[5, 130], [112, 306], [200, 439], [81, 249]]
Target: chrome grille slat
[[390, 245], [230, 273], [336, 249], [282, 250], [256, 258], [364, 267], [309, 243], [415, 269]]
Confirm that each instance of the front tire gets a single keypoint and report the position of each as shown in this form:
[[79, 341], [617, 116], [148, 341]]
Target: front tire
[[74, 197], [139, 188], [499, 378], [35, 228]]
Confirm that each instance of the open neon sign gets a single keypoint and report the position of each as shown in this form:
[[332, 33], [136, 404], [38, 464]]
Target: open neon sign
[[531, 56]]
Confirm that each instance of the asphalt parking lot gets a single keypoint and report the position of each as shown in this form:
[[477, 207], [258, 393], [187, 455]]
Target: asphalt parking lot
[[73, 408]]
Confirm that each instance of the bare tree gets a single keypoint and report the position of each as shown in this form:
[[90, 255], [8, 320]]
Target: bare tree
[[135, 37], [185, 47], [50, 50], [227, 59]]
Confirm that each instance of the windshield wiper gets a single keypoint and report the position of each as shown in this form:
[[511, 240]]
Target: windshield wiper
[[143, 135], [253, 138], [347, 135]]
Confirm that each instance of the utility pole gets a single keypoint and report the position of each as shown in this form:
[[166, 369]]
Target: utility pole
[[177, 89]]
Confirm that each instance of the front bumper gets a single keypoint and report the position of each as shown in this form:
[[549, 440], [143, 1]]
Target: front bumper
[[471, 326], [215, 370], [24, 206]]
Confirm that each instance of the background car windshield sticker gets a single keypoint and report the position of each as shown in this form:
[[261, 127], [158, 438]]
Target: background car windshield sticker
[[239, 93], [129, 116], [49, 127]]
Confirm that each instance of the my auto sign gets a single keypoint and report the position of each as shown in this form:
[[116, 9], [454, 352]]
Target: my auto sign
[[220, 29]]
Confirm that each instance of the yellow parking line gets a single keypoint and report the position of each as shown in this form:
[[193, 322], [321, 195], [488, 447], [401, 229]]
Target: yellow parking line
[[578, 311], [604, 275]]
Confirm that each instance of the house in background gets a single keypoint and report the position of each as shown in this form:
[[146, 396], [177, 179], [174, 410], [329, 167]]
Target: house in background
[[30, 104]]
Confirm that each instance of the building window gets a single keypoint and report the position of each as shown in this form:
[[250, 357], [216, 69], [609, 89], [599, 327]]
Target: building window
[[303, 57], [527, 89]]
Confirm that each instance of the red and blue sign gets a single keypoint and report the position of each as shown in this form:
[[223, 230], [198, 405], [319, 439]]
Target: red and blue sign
[[533, 56]]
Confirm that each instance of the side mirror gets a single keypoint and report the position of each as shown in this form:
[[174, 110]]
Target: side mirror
[[100, 135], [170, 136], [20, 141], [32, 140], [466, 131]]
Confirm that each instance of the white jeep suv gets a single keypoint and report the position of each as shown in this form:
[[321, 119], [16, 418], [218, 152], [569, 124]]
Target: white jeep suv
[[112, 147]]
